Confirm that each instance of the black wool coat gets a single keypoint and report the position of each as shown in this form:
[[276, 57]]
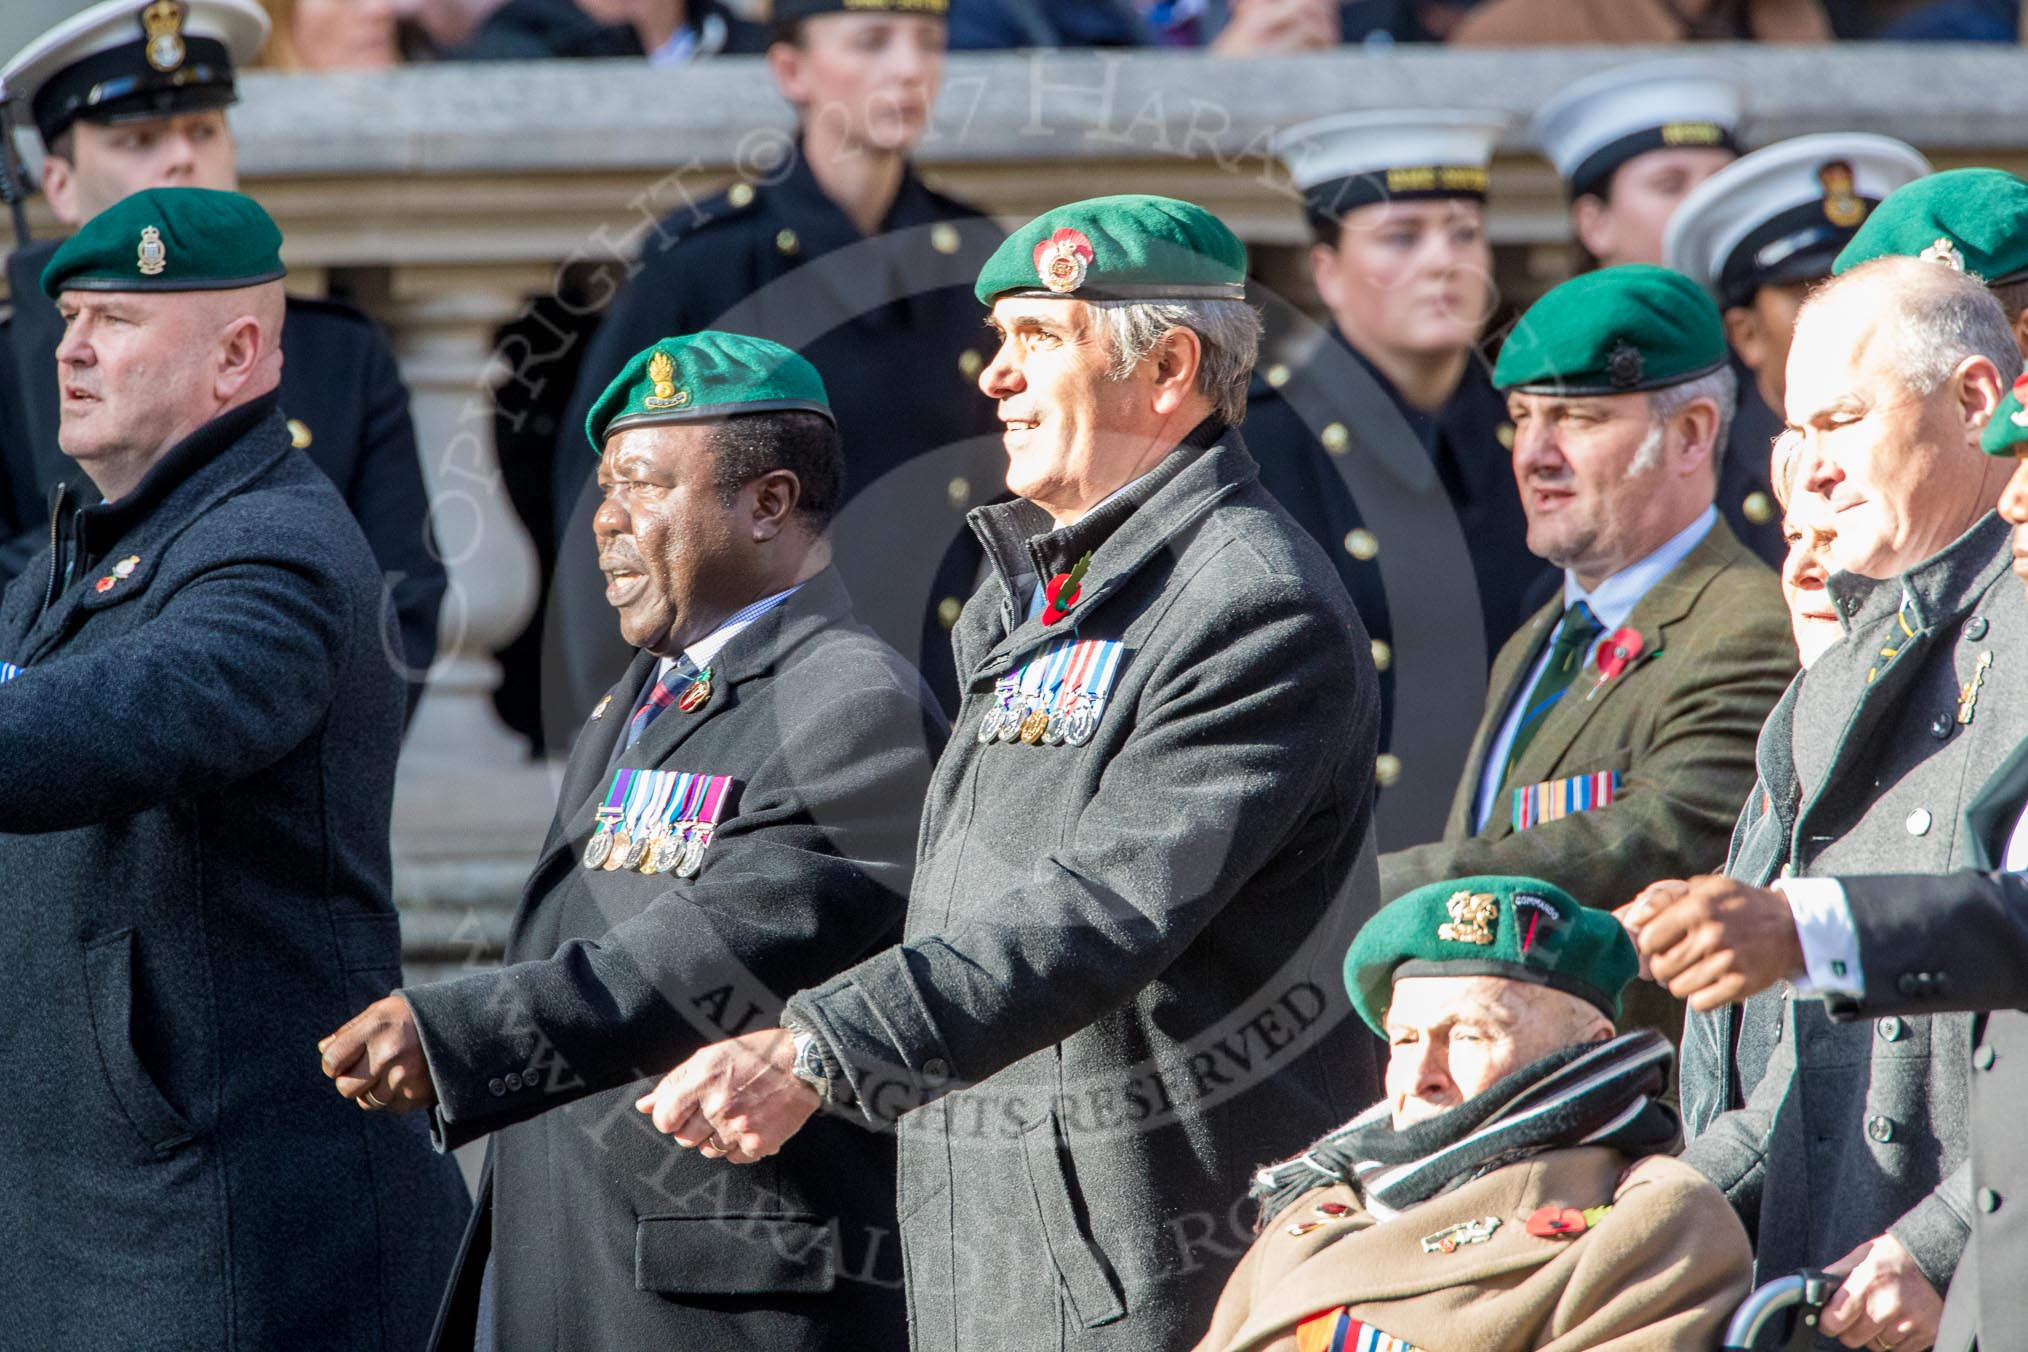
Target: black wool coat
[[196, 774], [603, 1233]]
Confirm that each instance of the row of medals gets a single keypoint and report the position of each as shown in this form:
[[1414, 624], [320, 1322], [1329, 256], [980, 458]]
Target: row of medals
[[677, 849], [1036, 725]]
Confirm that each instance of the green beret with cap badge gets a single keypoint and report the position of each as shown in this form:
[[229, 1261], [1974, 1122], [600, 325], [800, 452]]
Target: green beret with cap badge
[[1522, 929], [704, 375], [1129, 247], [1975, 220], [170, 239], [1614, 331]]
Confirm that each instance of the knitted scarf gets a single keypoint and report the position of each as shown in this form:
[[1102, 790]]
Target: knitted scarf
[[1599, 1093]]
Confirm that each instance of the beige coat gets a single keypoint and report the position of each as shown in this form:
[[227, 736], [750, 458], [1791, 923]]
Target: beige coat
[[1662, 1270]]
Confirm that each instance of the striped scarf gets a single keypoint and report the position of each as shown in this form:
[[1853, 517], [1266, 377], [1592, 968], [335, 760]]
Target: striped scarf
[[1597, 1093]]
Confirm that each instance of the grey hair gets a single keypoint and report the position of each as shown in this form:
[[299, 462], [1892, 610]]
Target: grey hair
[[1228, 331], [1941, 317], [1721, 387]]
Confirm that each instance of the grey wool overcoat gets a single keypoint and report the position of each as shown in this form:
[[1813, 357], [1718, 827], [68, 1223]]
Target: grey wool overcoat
[[1840, 1131], [196, 775], [1118, 991]]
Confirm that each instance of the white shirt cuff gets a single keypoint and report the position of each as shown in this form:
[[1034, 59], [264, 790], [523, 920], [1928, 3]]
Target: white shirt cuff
[[1830, 940]]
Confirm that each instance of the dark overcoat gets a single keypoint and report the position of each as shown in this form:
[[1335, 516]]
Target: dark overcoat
[[347, 410], [1119, 990], [889, 321], [196, 773], [602, 1233], [1959, 941], [1827, 1133]]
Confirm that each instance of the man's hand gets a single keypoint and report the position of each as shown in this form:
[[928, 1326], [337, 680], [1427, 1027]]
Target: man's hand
[[1637, 912], [1275, 27], [1885, 1302], [1717, 941], [377, 1059], [737, 1100]]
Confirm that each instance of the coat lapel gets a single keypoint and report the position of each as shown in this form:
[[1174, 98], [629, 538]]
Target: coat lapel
[[1666, 603]]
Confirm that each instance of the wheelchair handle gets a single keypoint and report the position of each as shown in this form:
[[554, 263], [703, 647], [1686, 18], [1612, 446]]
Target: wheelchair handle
[[1808, 1288]]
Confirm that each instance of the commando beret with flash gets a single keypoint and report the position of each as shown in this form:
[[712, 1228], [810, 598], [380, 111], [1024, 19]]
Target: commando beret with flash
[[1975, 220], [1522, 929], [1130, 247]]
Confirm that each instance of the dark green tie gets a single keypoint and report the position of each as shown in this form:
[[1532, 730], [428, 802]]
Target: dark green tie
[[1574, 637]]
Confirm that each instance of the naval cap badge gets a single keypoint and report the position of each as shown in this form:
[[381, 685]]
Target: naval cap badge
[[152, 256], [1062, 260], [162, 23]]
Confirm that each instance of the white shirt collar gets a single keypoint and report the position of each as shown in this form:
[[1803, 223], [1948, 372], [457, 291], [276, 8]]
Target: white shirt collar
[[704, 649]]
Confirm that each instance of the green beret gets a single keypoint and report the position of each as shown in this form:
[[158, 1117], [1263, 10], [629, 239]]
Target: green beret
[[1523, 929], [2008, 432], [1974, 219], [788, 11], [705, 375], [1614, 331], [170, 239], [1130, 247]]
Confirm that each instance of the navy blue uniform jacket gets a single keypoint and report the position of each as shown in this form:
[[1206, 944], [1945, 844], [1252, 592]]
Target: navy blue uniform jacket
[[196, 772]]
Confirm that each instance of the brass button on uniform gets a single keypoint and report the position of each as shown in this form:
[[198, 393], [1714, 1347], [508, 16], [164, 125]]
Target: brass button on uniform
[[787, 242], [740, 195], [1758, 508], [1506, 435], [1361, 543], [959, 490], [970, 363], [1386, 768], [1337, 440], [1383, 654], [948, 611], [299, 434], [944, 238], [1277, 376]]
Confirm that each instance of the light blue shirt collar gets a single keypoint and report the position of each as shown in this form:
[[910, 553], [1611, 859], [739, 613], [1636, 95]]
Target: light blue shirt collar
[[1614, 599]]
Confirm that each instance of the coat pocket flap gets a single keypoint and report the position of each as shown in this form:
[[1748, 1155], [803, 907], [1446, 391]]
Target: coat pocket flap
[[734, 1255]]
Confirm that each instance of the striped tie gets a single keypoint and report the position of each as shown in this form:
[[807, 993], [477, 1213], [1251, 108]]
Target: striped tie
[[661, 697], [1574, 637]]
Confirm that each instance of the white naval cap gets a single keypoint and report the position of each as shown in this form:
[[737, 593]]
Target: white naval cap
[[1601, 122], [1352, 160], [129, 59], [1781, 214]]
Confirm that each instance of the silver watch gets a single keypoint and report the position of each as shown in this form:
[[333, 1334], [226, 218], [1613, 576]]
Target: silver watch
[[809, 1065]]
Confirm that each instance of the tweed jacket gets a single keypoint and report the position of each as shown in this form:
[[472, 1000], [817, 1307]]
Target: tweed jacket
[[603, 1234], [1959, 941], [196, 775], [1118, 990], [1826, 1134], [1660, 1271], [1678, 726]]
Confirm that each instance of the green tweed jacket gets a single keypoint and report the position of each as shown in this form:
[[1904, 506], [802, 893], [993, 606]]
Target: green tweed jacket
[[1678, 725]]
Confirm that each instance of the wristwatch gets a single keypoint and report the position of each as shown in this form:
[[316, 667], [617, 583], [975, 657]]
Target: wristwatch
[[809, 1064]]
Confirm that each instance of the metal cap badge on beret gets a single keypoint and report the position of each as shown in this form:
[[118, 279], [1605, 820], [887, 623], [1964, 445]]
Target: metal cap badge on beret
[[170, 239], [2007, 433], [1523, 929], [1130, 247], [788, 11], [1975, 220], [130, 59], [1350, 160], [1780, 215], [1598, 124], [1614, 331], [703, 375]]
